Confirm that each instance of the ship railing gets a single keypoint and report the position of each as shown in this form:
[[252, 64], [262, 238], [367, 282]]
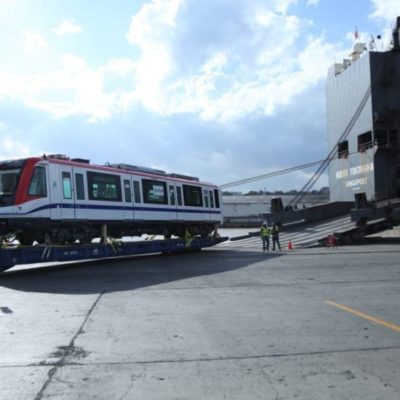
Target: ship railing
[[343, 154], [363, 147]]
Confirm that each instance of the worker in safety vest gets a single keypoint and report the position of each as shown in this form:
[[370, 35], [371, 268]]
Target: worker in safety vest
[[265, 232], [188, 237], [275, 237]]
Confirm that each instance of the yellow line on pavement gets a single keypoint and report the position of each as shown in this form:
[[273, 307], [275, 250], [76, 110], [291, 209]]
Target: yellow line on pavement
[[360, 314]]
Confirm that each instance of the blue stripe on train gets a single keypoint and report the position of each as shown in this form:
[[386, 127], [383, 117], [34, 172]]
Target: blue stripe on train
[[119, 208]]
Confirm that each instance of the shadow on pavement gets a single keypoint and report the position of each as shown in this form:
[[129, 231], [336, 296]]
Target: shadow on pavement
[[127, 273]]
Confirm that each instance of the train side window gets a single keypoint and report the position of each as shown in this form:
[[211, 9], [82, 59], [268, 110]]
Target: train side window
[[80, 188], [210, 193], [171, 195], [154, 192], [104, 186], [205, 194], [127, 190], [192, 196], [179, 195], [66, 184], [37, 186], [216, 196], [136, 189]]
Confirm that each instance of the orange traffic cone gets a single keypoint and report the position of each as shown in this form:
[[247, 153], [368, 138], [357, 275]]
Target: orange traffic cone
[[290, 246]]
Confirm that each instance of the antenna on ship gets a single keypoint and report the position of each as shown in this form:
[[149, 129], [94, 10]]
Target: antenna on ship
[[379, 37], [396, 35], [356, 35], [372, 45]]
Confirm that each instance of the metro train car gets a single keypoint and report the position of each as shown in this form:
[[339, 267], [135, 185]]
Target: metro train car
[[56, 199]]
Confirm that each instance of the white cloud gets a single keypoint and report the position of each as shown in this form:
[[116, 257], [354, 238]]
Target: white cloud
[[251, 69], [150, 30], [11, 148], [120, 66], [204, 58], [247, 62], [161, 14], [73, 88], [384, 13], [67, 27], [312, 2], [34, 42], [386, 10]]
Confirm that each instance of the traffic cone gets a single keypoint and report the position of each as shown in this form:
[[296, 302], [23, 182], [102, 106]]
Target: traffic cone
[[290, 246]]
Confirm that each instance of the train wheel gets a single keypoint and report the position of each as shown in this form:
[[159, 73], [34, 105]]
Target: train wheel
[[25, 238], [167, 234], [84, 235], [60, 236], [85, 240], [40, 238]]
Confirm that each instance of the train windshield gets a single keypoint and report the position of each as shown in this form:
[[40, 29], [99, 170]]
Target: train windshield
[[8, 181], [9, 175]]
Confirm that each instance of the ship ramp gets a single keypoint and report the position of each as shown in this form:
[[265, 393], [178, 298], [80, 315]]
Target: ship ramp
[[309, 234], [300, 235]]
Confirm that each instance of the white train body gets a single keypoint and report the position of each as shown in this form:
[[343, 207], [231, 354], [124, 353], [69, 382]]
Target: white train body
[[62, 200]]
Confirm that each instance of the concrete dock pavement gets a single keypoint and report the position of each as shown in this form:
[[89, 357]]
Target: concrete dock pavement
[[223, 323]]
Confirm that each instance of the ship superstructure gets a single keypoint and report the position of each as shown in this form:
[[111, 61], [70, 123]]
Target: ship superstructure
[[363, 121]]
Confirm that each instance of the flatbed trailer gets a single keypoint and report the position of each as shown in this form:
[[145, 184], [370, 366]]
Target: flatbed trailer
[[14, 255]]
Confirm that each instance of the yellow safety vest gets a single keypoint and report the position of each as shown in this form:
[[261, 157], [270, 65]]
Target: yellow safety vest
[[264, 231]]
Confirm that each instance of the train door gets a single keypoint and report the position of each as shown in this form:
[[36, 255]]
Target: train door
[[137, 199], [61, 192], [180, 215], [206, 204], [128, 199], [54, 192], [81, 210], [211, 204], [67, 192], [173, 215]]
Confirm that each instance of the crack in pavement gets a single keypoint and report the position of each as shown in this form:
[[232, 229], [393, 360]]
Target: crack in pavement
[[67, 351], [62, 362]]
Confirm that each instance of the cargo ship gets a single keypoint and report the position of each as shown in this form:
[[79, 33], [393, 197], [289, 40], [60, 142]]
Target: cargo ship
[[363, 125]]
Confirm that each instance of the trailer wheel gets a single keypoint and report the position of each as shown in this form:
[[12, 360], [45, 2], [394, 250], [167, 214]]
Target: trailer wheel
[[25, 238]]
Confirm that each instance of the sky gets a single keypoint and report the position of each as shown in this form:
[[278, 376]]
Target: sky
[[219, 89]]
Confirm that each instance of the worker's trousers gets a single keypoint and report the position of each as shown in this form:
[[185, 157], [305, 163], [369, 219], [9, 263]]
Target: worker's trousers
[[265, 240]]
